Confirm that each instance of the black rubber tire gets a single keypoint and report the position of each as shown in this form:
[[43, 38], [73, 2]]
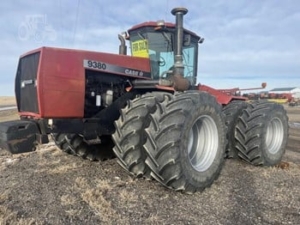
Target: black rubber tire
[[232, 111], [61, 142], [261, 133], [167, 144], [129, 136], [74, 144]]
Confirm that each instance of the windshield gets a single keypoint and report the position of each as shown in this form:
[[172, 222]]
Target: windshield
[[158, 47]]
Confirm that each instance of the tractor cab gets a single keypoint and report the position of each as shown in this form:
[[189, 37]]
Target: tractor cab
[[157, 41]]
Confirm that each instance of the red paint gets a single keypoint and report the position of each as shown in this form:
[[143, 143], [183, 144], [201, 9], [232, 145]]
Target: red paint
[[221, 97], [61, 79], [164, 88]]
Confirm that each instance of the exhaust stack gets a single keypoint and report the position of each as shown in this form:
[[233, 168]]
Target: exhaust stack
[[122, 47], [178, 61], [180, 83]]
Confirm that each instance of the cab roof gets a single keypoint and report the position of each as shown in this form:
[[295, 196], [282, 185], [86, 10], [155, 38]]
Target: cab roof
[[154, 24]]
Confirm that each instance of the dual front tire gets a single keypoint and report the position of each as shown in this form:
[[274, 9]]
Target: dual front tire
[[181, 140]]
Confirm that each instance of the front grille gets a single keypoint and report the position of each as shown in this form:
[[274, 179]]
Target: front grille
[[25, 83]]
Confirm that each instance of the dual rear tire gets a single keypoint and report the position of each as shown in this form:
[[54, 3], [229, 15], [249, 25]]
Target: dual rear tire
[[261, 133], [232, 112]]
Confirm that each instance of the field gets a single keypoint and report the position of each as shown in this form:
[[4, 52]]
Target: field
[[51, 187]]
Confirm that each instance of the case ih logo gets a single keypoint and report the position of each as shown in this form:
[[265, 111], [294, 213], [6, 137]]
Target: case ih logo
[[36, 27]]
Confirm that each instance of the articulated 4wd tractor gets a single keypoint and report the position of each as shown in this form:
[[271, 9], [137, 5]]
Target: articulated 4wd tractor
[[162, 124]]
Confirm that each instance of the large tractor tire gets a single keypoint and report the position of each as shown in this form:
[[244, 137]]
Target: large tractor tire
[[129, 136], [232, 111], [186, 142], [261, 133], [74, 144]]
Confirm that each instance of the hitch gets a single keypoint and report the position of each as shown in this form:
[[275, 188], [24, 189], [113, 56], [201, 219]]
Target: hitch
[[19, 136]]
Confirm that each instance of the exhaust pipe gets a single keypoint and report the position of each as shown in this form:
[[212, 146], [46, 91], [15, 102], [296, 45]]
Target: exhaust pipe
[[180, 83], [179, 13], [122, 47]]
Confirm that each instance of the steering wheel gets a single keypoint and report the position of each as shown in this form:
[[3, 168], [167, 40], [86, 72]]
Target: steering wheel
[[162, 61]]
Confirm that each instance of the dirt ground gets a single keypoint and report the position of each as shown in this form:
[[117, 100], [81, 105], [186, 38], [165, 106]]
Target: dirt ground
[[51, 187]]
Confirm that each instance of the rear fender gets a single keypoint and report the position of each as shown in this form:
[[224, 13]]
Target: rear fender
[[221, 97]]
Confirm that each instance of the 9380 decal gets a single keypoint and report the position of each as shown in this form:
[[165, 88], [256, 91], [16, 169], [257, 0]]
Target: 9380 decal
[[95, 64], [109, 68]]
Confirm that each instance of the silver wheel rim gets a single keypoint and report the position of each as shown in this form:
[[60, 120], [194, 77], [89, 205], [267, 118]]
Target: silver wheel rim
[[203, 143], [274, 135]]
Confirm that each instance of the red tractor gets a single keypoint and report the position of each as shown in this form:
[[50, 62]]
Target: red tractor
[[162, 124]]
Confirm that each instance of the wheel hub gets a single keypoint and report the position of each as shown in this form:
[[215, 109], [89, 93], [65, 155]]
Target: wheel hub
[[274, 135], [203, 143]]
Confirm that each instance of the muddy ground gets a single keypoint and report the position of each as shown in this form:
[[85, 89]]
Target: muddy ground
[[51, 187]]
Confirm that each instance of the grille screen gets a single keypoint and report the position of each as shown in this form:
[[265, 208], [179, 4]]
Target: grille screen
[[25, 83]]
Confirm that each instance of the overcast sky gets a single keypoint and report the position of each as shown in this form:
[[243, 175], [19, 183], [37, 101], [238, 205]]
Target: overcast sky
[[246, 42]]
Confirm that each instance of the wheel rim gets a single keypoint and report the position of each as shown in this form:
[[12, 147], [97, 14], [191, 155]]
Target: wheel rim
[[203, 143], [274, 135]]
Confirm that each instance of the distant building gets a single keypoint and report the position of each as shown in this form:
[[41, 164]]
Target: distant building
[[294, 91]]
